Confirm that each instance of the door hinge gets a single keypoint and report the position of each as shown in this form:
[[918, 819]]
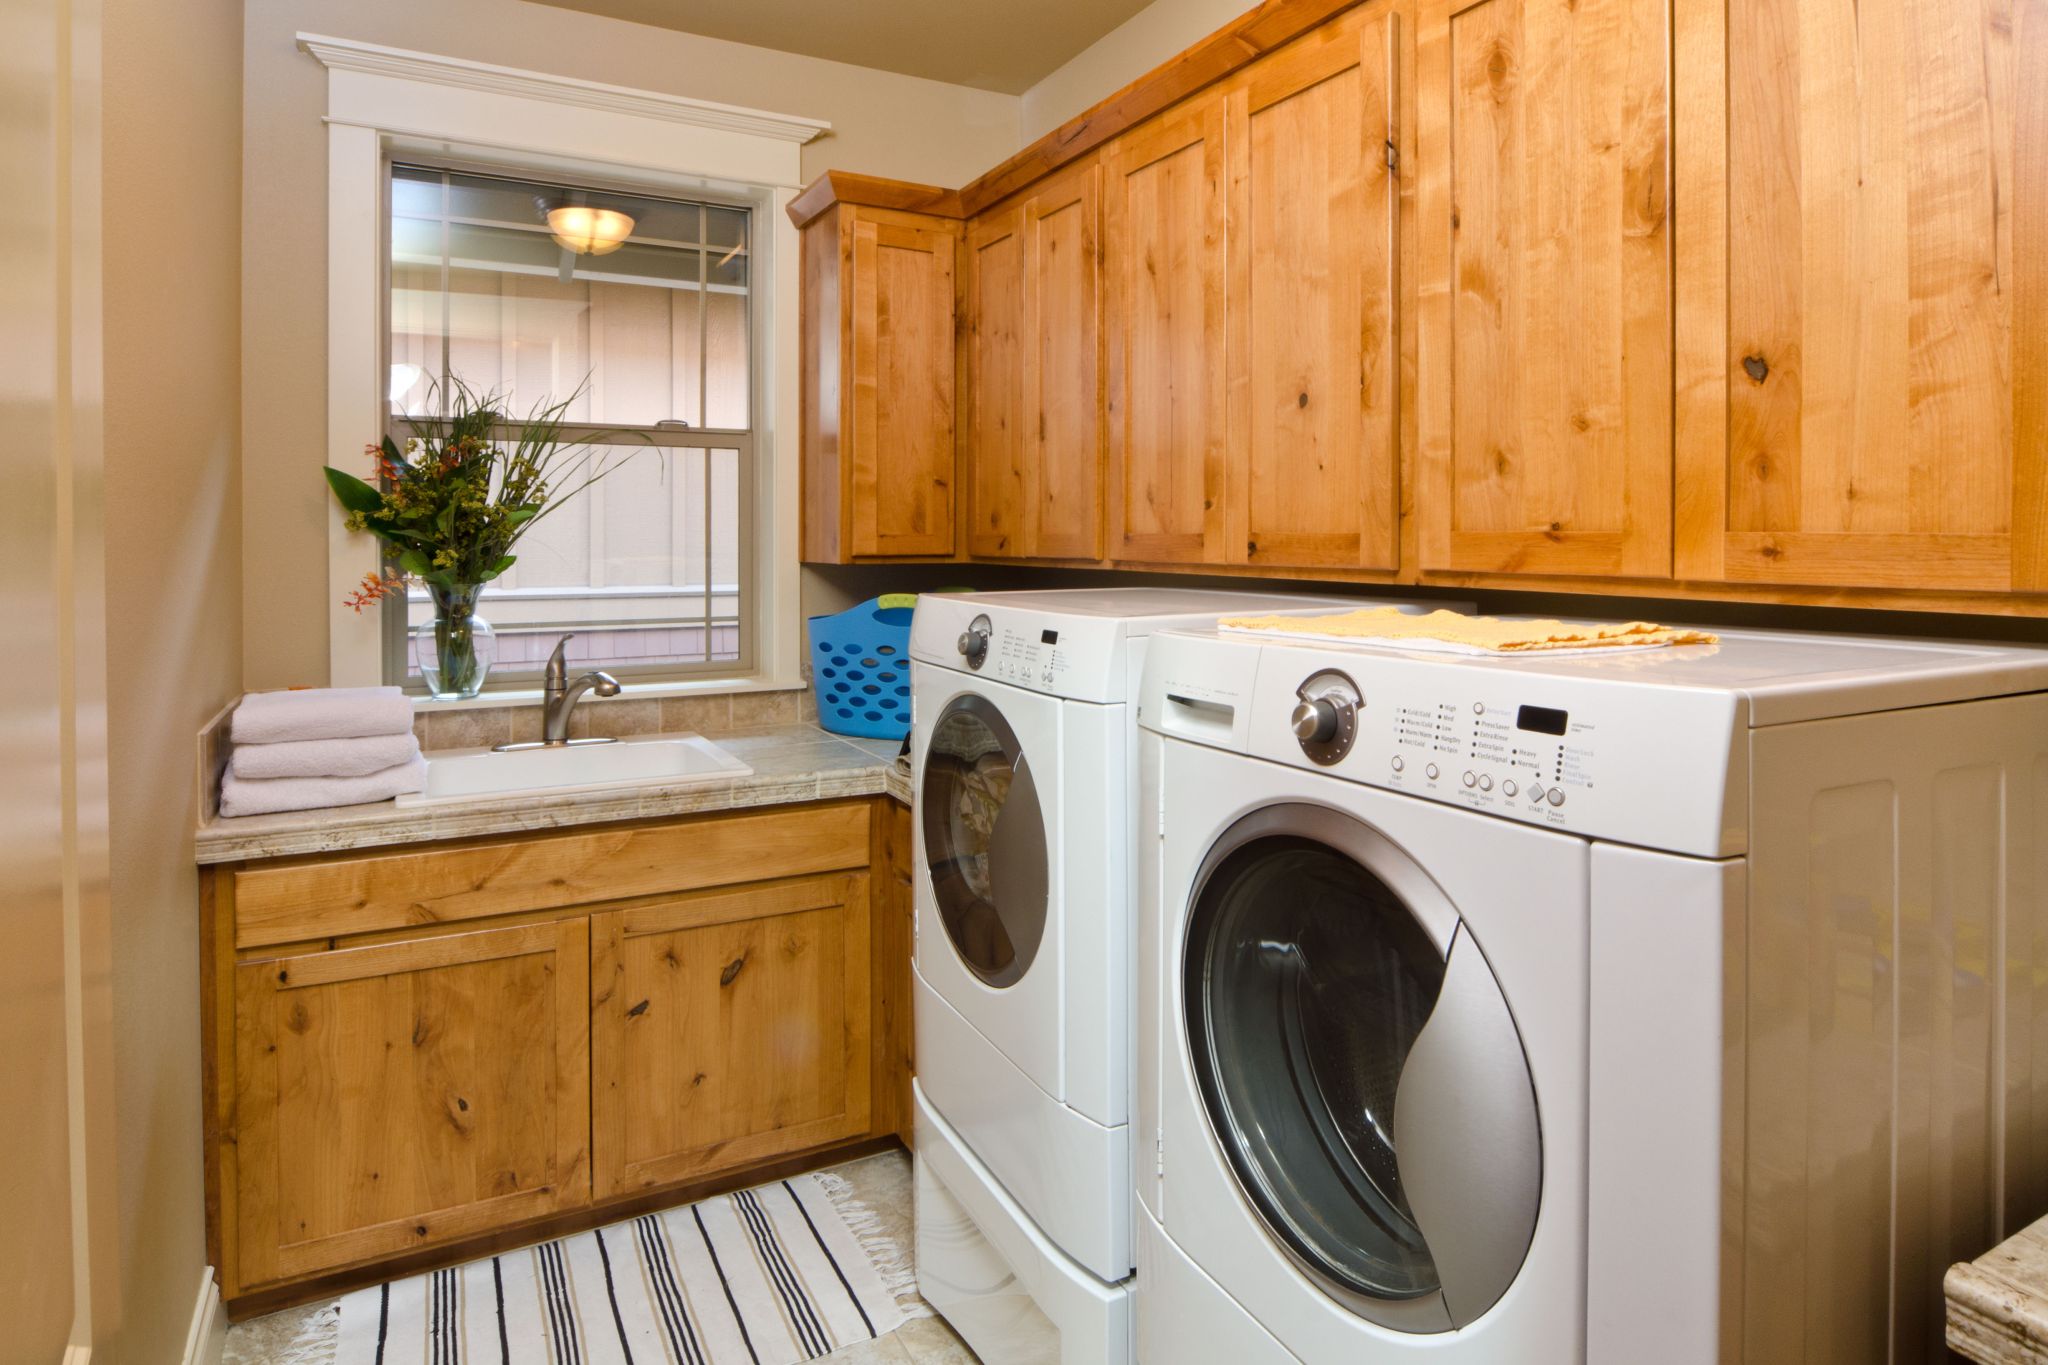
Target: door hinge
[[1159, 1155], [1393, 156]]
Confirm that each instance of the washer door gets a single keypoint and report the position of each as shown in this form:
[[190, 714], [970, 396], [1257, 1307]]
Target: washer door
[[984, 840], [1360, 1069]]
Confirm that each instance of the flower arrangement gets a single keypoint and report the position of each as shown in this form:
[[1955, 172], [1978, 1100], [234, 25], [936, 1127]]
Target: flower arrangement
[[453, 501]]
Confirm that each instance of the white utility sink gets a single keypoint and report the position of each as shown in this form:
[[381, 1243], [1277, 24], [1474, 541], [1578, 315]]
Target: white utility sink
[[664, 759]]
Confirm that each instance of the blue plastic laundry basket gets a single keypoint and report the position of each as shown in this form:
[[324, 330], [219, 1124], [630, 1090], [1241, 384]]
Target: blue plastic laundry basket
[[860, 665]]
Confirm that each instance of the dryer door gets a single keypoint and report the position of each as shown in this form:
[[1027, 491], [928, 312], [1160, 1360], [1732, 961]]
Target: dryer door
[[1360, 1069], [984, 840]]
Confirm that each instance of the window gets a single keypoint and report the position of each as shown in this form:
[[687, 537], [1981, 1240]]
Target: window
[[649, 567]]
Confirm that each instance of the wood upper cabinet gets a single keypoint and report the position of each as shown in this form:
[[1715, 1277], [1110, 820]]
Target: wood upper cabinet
[[1312, 354], [1033, 433], [1543, 377], [878, 385], [405, 1095], [728, 1027], [1863, 293], [1165, 273]]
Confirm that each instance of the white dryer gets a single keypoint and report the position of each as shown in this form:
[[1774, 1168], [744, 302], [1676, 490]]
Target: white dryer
[[1649, 1006], [1023, 751]]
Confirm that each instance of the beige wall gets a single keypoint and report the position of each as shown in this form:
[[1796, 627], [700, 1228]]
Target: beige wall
[[1160, 30], [171, 254], [883, 124]]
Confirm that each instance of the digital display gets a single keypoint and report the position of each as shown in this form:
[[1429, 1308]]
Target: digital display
[[1544, 720], [1048, 637]]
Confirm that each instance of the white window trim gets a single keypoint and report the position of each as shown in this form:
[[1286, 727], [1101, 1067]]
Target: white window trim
[[384, 100]]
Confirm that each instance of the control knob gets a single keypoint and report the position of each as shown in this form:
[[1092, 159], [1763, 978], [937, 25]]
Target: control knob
[[1325, 717], [1316, 720], [973, 643]]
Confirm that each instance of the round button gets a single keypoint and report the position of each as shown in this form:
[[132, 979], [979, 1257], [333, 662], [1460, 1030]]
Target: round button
[[1432, 771], [1535, 791], [1478, 708], [1555, 796], [1471, 779], [1508, 788], [1486, 784], [1398, 763]]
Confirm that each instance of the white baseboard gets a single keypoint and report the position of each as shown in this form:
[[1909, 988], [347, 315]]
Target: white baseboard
[[208, 1338]]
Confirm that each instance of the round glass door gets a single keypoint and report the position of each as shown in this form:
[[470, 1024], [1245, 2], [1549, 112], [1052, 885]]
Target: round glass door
[[984, 840], [1311, 984]]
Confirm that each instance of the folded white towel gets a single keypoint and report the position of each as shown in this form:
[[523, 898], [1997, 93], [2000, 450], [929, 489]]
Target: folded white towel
[[321, 713], [264, 795], [324, 757]]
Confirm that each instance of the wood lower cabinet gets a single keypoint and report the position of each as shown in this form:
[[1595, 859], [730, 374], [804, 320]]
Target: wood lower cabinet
[[506, 1038], [878, 385], [1543, 379], [1863, 293], [398, 1095], [728, 1028]]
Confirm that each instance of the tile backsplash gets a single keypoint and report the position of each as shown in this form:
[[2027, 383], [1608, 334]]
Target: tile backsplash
[[471, 727]]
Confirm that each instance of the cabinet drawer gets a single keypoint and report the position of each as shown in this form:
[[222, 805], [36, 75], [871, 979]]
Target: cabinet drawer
[[440, 885]]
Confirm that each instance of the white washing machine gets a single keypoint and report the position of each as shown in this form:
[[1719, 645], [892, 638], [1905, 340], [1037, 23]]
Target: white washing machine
[[1673, 1005], [1023, 752]]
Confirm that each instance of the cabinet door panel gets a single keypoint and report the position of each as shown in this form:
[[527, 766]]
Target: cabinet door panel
[[409, 1094], [1063, 367], [996, 442], [1164, 260], [728, 1029], [1866, 286], [1544, 377], [1313, 350], [902, 380]]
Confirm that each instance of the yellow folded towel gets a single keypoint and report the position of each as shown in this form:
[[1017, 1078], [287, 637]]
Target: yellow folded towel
[[1477, 632]]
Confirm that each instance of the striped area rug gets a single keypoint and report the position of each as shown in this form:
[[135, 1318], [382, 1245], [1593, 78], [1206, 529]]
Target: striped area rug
[[768, 1276]]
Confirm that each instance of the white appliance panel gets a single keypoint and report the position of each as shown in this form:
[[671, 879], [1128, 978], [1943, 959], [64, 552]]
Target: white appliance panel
[[1008, 1291], [1522, 892], [1069, 1171], [1027, 1019]]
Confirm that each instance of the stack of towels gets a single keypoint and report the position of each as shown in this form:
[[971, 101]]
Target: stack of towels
[[333, 746]]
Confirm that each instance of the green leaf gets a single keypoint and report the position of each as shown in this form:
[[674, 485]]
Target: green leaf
[[352, 493], [391, 451], [504, 562], [415, 563], [521, 515]]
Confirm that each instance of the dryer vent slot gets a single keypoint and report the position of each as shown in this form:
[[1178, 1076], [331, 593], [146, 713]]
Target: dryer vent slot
[[1199, 717]]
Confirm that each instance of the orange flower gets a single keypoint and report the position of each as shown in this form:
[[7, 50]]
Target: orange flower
[[374, 588]]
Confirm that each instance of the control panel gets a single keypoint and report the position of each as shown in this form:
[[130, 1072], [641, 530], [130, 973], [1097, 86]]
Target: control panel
[[1027, 655], [1661, 766], [1492, 753]]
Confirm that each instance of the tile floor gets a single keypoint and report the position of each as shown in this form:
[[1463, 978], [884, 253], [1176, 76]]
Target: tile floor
[[305, 1336]]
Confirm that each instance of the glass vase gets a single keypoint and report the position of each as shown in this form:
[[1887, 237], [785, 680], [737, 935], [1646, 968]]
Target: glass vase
[[454, 651]]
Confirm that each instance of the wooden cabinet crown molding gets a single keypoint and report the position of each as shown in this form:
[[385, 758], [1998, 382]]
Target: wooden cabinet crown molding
[[1237, 44]]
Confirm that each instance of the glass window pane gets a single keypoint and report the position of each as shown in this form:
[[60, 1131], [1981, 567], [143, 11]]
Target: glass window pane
[[625, 565], [650, 331]]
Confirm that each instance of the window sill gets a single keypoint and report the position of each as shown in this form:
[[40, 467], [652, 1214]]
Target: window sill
[[530, 696]]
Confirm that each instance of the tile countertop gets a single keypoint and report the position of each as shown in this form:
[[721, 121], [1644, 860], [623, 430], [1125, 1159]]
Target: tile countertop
[[791, 763], [1998, 1303]]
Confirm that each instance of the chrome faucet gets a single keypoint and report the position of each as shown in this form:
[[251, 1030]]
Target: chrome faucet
[[559, 697]]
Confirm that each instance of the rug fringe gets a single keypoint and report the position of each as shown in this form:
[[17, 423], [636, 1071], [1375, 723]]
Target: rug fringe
[[894, 1262]]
